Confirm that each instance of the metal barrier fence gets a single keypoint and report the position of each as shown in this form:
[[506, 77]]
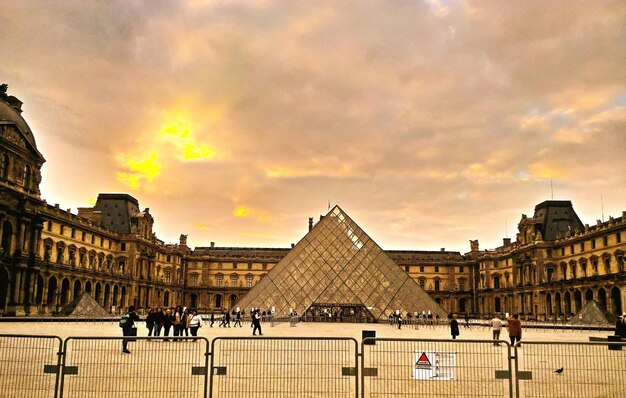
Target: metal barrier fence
[[284, 367], [46, 366], [428, 367], [29, 365], [156, 367], [567, 369]]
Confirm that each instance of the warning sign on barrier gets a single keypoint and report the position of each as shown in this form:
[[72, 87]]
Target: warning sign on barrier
[[434, 365]]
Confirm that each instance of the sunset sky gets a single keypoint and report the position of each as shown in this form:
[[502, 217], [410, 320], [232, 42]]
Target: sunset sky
[[429, 122]]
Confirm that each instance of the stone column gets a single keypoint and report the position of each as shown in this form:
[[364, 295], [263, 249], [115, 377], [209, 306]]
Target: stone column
[[17, 287], [19, 241], [26, 238], [29, 299]]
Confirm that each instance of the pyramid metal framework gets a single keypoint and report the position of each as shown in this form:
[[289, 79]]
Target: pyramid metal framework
[[84, 306], [337, 262]]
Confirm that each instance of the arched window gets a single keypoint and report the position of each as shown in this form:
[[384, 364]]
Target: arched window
[[4, 166], [422, 282]]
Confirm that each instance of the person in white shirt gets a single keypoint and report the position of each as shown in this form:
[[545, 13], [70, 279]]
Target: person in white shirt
[[195, 323], [496, 326]]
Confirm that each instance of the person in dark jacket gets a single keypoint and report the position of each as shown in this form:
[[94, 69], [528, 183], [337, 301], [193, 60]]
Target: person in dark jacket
[[256, 323], [227, 319], [454, 327], [167, 322], [159, 321], [128, 327], [150, 321], [212, 319], [237, 319]]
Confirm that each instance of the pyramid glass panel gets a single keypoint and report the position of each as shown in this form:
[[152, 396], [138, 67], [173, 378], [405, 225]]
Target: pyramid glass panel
[[336, 265]]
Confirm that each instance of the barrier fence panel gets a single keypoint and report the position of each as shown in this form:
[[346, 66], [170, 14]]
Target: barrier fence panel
[[156, 367], [571, 369], [284, 367], [429, 368], [29, 365]]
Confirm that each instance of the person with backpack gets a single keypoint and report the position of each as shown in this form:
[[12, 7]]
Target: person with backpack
[[127, 323]]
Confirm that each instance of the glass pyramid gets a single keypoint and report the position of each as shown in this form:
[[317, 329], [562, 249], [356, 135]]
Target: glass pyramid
[[336, 264]]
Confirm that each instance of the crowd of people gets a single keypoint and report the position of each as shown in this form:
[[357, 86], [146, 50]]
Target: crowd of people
[[513, 324], [181, 321]]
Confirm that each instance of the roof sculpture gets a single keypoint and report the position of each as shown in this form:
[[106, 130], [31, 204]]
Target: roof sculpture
[[337, 262]]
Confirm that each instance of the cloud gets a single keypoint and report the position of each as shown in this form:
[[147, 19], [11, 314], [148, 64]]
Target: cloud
[[422, 119], [139, 170]]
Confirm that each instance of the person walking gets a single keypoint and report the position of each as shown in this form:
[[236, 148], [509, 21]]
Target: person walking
[[127, 323], [212, 319], [237, 319], [467, 325], [227, 319], [150, 321], [399, 320], [515, 330], [195, 323], [496, 326], [454, 327], [256, 323], [222, 320]]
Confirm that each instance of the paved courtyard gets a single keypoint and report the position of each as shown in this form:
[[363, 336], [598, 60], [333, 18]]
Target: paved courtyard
[[283, 329], [307, 368]]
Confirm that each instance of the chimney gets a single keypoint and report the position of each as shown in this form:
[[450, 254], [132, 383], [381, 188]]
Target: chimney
[[310, 223], [212, 245], [506, 241]]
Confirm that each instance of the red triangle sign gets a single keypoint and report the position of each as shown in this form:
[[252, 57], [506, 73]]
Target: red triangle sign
[[423, 361]]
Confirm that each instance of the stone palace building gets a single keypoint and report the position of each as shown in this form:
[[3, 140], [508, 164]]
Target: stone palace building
[[48, 255]]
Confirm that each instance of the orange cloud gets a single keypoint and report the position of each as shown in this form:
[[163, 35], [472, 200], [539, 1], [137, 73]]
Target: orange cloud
[[139, 170]]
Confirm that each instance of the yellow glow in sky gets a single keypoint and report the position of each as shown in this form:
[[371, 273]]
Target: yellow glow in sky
[[139, 169], [177, 131], [246, 212]]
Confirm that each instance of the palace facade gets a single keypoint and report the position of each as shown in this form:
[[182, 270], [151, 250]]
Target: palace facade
[[48, 255]]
